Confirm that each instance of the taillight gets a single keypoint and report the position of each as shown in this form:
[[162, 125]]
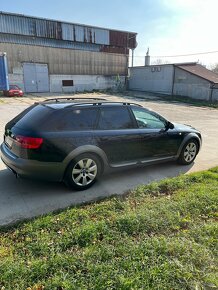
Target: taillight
[[29, 142]]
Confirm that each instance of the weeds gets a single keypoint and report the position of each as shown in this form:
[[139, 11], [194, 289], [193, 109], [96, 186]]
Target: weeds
[[160, 236]]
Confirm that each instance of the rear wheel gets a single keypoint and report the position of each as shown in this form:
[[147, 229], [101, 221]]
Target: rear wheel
[[83, 171], [189, 152]]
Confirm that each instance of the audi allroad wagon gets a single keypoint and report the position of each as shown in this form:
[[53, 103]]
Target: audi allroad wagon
[[74, 140]]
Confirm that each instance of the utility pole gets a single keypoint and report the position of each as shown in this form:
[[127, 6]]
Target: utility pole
[[132, 56]]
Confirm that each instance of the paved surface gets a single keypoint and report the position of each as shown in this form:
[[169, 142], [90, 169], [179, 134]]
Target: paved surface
[[22, 199]]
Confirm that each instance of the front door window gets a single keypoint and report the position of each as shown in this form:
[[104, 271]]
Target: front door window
[[148, 120]]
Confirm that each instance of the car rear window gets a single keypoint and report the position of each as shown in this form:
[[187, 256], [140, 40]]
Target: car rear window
[[33, 117], [48, 118]]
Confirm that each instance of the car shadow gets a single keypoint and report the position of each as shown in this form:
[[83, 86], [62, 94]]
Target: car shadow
[[23, 198]]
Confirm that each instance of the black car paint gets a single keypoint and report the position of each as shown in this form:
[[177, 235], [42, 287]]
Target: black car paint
[[115, 147]]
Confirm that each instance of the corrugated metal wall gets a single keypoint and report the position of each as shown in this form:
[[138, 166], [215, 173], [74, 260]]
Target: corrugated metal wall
[[52, 29], [16, 25], [123, 39], [24, 25], [66, 61], [84, 34], [39, 41]]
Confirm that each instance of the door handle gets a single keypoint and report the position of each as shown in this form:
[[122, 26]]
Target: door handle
[[104, 138]]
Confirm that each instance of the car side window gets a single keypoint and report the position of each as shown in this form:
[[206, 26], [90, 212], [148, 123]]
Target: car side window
[[146, 119], [114, 118], [78, 119]]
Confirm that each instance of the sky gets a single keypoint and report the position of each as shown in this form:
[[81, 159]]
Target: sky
[[167, 27]]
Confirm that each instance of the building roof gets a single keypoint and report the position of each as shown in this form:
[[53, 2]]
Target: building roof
[[200, 71]]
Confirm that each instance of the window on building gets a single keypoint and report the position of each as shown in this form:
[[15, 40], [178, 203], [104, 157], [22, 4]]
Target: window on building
[[67, 83]]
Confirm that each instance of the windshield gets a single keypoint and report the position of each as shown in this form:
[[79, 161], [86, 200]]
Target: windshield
[[14, 87]]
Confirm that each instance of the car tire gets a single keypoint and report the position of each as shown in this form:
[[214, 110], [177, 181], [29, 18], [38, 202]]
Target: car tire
[[189, 152], [83, 171]]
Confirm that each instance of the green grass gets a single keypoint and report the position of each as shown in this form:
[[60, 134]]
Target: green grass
[[160, 236]]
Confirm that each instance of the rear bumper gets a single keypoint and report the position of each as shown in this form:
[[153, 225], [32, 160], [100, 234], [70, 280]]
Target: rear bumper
[[53, 171]]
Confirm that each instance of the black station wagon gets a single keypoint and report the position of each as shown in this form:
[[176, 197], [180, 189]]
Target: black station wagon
[[74, 140]]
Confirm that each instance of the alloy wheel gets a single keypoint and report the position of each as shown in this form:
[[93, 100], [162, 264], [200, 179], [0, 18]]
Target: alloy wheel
[[190, 152], [84, 172]]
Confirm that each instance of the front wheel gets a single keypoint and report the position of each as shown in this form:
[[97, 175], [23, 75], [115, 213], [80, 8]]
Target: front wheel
[[189, 152], [83, 172]]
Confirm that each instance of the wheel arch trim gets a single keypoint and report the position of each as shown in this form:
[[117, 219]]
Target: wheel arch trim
[[186, 139], [91, 149]]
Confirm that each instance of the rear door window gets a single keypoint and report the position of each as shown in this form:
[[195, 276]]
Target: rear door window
[[112, 118], [78, 119]]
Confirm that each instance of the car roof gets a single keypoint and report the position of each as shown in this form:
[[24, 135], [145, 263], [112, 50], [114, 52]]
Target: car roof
[[60, 103]]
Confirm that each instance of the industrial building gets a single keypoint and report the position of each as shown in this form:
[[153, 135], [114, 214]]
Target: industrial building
[[185, 79], [53, 56]]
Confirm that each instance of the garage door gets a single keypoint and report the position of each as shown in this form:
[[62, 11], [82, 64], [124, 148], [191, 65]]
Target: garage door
[[36, 77]]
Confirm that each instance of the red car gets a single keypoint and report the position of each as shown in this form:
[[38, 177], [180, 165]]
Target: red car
[[14, 90]]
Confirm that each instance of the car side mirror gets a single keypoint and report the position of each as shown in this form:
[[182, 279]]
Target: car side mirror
[[169, 125]]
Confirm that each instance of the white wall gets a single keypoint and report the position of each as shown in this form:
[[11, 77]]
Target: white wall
[[157, 79], [81, 82], [84, 83]]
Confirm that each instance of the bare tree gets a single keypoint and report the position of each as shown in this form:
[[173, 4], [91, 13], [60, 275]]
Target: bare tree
[[214, 68]]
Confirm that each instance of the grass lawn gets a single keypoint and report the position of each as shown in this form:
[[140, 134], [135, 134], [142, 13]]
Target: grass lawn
[[160, 236]]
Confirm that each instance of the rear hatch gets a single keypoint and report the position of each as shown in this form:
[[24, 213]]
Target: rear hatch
[[23, 134]]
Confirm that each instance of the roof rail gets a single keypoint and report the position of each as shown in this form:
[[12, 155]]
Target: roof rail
[[71, 99], [89, 103], [107, 103]]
